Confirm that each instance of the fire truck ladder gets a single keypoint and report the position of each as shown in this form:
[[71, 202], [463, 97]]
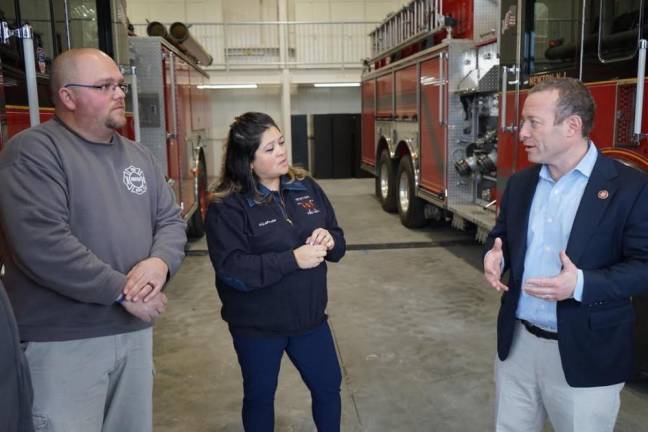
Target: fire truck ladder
[[413, 21]]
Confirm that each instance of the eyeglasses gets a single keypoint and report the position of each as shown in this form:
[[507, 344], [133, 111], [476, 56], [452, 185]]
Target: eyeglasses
[[103, 88]]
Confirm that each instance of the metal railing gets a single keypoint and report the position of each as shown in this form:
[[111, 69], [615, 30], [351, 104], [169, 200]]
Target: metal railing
[[417, 18], [256, 45]]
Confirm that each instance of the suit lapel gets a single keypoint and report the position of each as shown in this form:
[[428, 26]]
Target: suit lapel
[[598, 193], [519, 235]]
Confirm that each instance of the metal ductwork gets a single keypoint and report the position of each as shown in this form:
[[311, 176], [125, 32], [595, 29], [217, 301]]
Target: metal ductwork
[[156, 28], [180, 33], [179, 37]]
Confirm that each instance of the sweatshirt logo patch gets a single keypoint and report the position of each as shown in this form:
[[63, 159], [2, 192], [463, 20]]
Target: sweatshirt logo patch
[[309, 206], [134, 180]]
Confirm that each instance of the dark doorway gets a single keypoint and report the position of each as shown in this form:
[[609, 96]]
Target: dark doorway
[[337, 146], [299, 132]]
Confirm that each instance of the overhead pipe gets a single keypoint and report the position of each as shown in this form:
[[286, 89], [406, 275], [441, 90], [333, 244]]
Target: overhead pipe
[[180, 33], [156, 28]]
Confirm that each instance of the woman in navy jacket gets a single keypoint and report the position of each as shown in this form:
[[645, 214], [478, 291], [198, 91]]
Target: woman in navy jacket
[[270, 230]]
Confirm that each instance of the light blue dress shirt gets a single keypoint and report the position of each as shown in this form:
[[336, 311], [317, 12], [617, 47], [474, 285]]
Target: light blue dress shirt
[[551, 218]]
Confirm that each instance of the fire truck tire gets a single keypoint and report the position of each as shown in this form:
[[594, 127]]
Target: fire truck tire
[[410, 207], [386, 183], [196, 225]]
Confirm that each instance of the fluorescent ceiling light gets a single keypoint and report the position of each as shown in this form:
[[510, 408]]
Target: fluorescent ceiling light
[[227, 86], [340, 84]]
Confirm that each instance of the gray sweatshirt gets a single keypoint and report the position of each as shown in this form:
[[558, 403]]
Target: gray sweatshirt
[[76, 217]]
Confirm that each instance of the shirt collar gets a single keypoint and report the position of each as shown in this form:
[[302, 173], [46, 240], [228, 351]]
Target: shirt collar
[[585, 166], [264, 192], [65, 125]]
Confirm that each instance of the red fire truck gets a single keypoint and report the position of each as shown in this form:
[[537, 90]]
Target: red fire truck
[[176, 108], [173, 119], [442, 95]]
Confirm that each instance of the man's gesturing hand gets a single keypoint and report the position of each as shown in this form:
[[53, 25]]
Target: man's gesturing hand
[[308, 256], [555, 288], [147, 311], [493, 266], [146, 279]]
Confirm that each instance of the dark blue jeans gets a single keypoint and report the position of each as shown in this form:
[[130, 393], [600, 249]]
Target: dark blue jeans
[[313, 354]]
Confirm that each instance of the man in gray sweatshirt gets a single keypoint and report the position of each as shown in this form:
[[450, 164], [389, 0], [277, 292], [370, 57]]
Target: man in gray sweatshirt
[[92, 234]]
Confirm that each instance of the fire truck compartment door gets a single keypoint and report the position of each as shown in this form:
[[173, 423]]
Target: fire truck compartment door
[[433, 133], [509, 98]]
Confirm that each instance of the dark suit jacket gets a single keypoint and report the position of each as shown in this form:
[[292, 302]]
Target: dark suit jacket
[[15, 382], [609, 242]]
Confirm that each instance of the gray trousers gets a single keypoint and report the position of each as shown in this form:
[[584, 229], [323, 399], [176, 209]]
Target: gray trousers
[[102, 384], [531, 386]]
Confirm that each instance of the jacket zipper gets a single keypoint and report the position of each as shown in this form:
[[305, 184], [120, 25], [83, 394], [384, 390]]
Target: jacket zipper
[[282, 207]]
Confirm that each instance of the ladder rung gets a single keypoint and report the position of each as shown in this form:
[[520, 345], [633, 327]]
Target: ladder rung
[[412, 19]]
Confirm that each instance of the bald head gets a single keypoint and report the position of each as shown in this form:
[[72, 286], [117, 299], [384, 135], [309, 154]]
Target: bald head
[[68, 66], [87, 93]]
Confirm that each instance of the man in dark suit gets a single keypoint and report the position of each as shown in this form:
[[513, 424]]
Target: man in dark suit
[[15, 382], [573, 233]]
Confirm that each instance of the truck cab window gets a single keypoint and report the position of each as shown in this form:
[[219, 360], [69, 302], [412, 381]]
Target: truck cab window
[[60, 29], [83, 23], [619, 23], [554, 35]]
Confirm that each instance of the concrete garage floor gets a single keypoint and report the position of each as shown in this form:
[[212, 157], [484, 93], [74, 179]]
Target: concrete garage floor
[[414, 328]]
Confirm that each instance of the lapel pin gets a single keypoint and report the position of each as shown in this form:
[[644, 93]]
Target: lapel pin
[[603, 194]]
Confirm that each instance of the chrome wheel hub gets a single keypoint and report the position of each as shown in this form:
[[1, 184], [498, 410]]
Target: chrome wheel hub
[[384, 181], [403, 192]]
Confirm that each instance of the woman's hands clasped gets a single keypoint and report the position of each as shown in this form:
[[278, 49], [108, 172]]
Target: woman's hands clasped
[[322, 237], [309, 256], [314, 251]]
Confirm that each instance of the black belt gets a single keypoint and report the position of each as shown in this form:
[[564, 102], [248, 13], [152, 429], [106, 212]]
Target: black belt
[[537, 331]]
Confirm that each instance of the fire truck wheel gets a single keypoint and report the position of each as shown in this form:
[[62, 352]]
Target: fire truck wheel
[[410, 207], [196, 226], [386, 183]]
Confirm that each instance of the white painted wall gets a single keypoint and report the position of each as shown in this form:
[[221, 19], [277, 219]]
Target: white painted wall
[[259, 10], [250, 10], [345, 10], [175, 10], [227, 104], [311, 100]]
